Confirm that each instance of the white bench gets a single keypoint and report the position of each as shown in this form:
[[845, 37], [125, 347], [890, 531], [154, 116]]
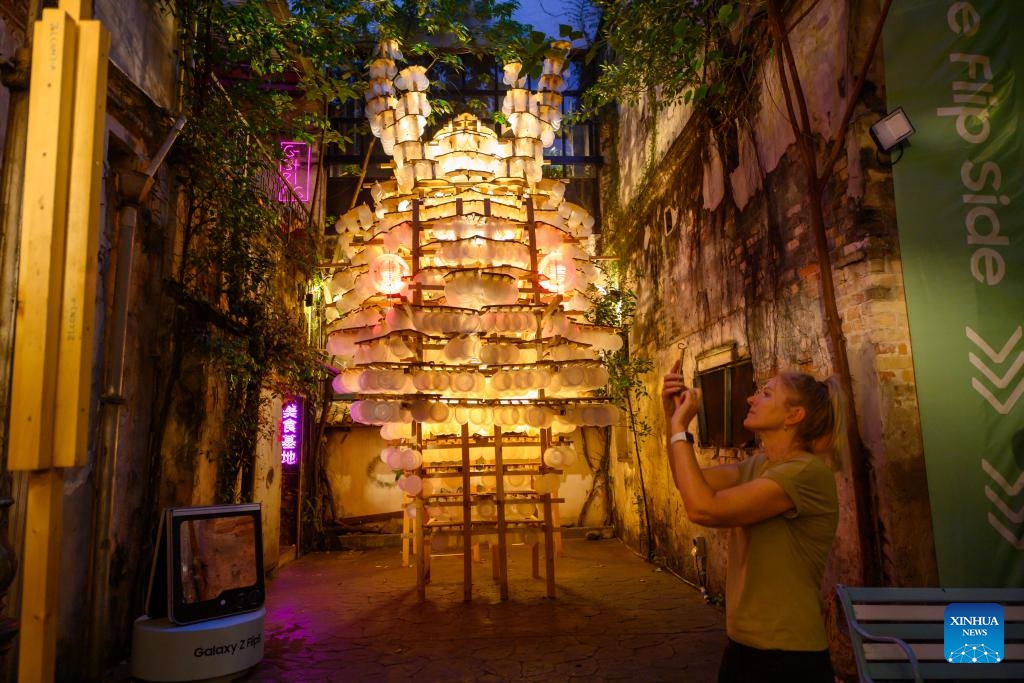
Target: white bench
[[898, 633]]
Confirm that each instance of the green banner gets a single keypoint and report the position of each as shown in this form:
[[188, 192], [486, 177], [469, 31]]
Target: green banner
[[953, 67]]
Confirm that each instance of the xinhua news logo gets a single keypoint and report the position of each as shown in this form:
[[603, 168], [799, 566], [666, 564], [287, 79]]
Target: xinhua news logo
[[973, 633]]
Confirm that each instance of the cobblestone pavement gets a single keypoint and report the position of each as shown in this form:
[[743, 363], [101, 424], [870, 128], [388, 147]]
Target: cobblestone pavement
[[354, 616]]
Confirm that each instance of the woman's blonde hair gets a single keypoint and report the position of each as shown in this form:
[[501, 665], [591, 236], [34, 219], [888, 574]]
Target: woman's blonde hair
[[822, 429]]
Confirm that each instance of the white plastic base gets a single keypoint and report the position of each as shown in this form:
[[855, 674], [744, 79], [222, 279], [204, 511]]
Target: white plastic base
[[165, 651]]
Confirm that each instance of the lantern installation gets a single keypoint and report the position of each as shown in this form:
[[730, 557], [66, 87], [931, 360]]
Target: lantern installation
[[462, 315]]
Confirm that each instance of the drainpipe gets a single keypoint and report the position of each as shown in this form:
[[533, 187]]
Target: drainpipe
[[134, 188]]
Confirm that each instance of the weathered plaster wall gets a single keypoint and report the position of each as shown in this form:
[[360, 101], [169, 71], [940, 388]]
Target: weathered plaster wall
[[743, 271], [361, 483], [267, 482], [142, 45], [641, 145]]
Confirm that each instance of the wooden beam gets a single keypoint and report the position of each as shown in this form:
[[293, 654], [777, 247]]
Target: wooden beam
[[40, 570], [47, 158], [501, 565], [549, 544], [467, 517], [78, 306]]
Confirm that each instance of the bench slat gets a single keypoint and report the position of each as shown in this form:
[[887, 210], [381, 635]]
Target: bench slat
[[935, 595], [1012, 631], [867, 612], [929, 651], [1004, 671]]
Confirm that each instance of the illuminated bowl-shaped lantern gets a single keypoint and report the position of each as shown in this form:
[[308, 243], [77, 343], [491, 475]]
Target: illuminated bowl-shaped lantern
[[511, 73], [411, 459], [559, 272], [388, 273], [411, 484], [487, 508], [547, 483]]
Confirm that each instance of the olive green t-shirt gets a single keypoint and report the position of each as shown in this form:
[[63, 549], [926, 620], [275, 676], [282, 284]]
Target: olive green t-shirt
[[773, 583]]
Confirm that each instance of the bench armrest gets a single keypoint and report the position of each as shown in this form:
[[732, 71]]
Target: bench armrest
[[858, 650], [907, 650]]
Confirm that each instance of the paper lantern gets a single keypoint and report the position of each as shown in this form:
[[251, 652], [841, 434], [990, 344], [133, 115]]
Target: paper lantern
[[559, 272], [388, 273]]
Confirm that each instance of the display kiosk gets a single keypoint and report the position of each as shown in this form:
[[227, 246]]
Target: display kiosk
[[204, 610]]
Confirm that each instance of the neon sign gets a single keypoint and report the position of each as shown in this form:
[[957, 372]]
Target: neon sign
[[295, 171], [291, 426]]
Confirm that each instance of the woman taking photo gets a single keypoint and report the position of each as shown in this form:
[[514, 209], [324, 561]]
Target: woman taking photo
[[781, 507]]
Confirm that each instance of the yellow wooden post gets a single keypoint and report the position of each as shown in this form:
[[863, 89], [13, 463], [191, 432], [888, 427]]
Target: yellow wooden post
[[37, 641], [60, 229], [48, 140], [34, 380], [74, 365]]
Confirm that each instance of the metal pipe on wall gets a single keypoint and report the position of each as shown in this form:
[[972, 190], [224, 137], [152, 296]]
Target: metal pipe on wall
[[134, 189]]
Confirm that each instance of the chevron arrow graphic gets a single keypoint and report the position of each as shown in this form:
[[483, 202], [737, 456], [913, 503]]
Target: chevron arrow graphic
[[1015, 517], [997, 477], [1011, 538], [999, 382]]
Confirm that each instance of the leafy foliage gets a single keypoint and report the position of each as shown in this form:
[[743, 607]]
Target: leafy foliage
[[704, 57], [615, 307], [680, 51], [244, 257]]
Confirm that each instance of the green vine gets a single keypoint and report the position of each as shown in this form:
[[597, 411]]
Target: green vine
[[613, 304], [682, 52]]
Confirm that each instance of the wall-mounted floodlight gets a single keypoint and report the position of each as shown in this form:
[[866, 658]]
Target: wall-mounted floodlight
[[892, 130]]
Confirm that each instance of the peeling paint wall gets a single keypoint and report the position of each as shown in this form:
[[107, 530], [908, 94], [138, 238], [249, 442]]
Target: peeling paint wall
[[142, 45], [267, 483], [743, 271]]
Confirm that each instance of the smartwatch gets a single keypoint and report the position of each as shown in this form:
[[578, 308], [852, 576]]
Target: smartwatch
[[681, 436]]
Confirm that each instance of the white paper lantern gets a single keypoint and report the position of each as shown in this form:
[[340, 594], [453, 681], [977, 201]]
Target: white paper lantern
[[388, 273], [559, 272]]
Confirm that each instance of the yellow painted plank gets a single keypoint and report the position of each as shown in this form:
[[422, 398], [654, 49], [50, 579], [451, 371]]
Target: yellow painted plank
[[40, 569], [44, 207], [78, 307]]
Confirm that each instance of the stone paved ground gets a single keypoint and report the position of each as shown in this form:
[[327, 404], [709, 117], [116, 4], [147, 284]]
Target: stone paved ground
[[354, 616]]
